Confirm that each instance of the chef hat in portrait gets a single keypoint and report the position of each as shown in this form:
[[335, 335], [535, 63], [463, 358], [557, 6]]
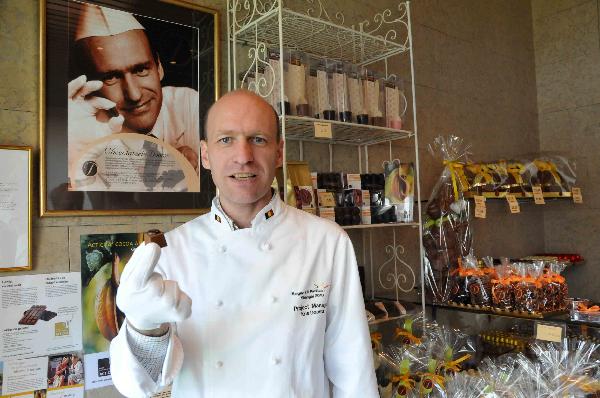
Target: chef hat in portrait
[[101, 21]]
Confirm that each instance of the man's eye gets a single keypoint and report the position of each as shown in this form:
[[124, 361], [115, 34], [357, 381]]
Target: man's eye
[[259, 140], [110, 80], [225, 140], [142, 71]]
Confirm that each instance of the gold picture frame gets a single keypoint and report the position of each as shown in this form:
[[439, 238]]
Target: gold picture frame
[[57, 198], [15, 207]]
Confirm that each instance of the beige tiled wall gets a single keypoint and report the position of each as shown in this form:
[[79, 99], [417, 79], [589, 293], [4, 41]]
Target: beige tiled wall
[[567, 60], [475, 77]]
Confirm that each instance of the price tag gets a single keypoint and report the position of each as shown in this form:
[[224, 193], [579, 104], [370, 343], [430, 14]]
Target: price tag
[[323, 130], [513, 204], [577, 196], [480, 209], [549, 332], [538, 196]]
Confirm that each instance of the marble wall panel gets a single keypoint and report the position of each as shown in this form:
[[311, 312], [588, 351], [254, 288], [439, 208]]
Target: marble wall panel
[[567, 34], [543, 8], [19, 44], [18, 127]]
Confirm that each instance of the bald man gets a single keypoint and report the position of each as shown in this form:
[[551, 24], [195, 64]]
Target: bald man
[[277, 304]]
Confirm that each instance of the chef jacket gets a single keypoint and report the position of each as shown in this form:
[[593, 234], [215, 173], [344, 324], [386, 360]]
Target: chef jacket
[[178, 121], [277, 311]]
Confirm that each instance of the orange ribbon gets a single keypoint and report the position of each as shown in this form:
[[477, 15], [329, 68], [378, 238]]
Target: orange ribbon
[[411, 337], [404, 380], [376, 338], [454, 365]]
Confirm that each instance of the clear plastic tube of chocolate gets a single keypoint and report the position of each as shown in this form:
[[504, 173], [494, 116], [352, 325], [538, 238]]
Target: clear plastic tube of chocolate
[[340, 93]]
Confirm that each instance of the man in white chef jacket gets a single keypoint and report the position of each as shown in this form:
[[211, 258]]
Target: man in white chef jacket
[[255, 298]]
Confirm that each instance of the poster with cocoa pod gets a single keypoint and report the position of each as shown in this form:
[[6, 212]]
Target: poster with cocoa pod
[[103, 258]]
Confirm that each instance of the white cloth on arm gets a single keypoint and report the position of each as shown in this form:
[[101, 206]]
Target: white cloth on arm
[[149, 350]]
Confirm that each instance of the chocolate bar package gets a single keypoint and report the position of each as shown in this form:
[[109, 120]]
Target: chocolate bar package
[[400, 188]]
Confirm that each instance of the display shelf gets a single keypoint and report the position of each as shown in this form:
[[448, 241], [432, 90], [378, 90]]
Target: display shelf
[[259, 29], [367, 226], [488, 310], [322, 38], [518, 195], [567, 319], [559, 317], [299, 128]]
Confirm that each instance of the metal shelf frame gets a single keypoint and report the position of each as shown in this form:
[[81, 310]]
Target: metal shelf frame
[[301, 128], [260, 25]]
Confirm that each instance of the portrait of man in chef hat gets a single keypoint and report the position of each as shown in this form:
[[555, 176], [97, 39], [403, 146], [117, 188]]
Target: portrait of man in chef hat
[[126, 130]]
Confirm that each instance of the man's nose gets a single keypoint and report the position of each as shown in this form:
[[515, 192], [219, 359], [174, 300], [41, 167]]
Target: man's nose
[[131, 89], [243, 152]]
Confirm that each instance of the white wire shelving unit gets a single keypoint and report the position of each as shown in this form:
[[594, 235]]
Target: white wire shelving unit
[[256, 26]]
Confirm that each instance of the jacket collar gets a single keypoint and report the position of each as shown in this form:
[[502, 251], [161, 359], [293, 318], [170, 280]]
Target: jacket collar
[[265, 217]]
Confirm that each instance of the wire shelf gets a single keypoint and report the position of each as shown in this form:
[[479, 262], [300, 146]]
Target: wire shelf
[[396, 224], [320, 38], [301, 128]]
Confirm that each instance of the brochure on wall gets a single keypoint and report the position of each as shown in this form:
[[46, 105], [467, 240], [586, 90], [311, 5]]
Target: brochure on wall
[[103, 258], [56, 376], [40, 314], [97, 370]]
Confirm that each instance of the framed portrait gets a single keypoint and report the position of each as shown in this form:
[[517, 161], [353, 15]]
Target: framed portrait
[[15, 208], [125, 86]]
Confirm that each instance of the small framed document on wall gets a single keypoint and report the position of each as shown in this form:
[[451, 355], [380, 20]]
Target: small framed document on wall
[[15, 208]]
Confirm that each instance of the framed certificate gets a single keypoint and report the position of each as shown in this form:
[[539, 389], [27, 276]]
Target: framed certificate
[[125, 88], [15, 208]]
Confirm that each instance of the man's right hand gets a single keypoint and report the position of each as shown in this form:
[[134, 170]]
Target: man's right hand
[[147, 300], [85, 112]]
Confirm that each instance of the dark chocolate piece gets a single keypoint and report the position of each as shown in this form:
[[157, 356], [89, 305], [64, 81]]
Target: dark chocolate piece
[[47, 315], [154, 235]]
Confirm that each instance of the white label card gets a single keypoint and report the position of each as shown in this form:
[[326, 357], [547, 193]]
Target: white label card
[[323, 130], [577, 195], [513, 204], [538, 196], [549, 332], [480, 208]]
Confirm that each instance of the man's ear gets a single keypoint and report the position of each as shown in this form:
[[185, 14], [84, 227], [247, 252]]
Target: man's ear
[[204, 155], [280, 149], [161, 71]]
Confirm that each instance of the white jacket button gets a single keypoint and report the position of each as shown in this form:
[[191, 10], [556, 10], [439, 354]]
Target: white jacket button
[[274, 299], [276, 361], [266, 246], [219, 303], [222, 249], [219, 364]]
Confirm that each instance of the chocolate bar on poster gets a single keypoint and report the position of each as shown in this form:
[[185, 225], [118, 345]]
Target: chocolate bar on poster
[[31, 316]]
